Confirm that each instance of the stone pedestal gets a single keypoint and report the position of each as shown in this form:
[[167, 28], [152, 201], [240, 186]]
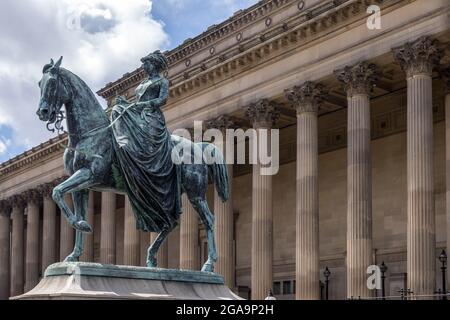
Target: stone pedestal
[[90, 281]]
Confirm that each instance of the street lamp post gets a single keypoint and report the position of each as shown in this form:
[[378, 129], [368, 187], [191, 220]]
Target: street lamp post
[[383, 269], [443, 260], [327, 274]]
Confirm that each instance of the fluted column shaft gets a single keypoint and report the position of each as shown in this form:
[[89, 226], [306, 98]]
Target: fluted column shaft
[[307, 221], [144, 244], [88, 246], [32, 251], [131, 237], [67, 233], [162, 257], [358, 81], [224, 223], [359, 203], [49, 229], [108, 228], [223, 211], [418, 60], [263, 115], [421, 216], [5, 244], [306, 99], [446, 78], [17, 254], [189, 248]]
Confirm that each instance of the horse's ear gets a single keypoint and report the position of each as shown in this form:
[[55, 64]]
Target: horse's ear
[[48, 66], [55, 68], [58, 63]]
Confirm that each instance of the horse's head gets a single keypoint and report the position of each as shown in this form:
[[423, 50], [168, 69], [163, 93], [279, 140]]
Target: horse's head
[[53, 92]]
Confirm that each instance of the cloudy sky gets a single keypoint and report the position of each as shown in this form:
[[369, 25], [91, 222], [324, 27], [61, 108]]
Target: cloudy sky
[[99, 39]]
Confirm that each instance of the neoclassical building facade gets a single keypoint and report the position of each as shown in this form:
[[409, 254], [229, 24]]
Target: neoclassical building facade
[[364, 178]]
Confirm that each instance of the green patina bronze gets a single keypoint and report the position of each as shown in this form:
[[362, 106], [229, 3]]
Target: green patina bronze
[[131, 153]]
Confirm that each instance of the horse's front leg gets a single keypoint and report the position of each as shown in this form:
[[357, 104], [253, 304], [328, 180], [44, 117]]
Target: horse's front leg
[[80, 203], [81, 179]]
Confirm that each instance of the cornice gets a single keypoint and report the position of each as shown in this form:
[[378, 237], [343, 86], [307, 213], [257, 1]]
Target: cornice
[[190, 46], [30, 157], [292, 33]]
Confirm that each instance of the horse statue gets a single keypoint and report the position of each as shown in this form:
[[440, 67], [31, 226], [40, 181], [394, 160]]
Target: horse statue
[[90, 159]]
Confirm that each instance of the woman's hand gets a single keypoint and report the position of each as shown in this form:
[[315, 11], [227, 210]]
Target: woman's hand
[[121, 100]]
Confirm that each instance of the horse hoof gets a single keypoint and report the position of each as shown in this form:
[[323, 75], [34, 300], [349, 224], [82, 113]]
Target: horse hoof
[[83, 226], [151, 263], [208, 267], [71, 258]]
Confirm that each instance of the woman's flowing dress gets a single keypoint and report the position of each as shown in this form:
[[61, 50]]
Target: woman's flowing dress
[[143, 154]]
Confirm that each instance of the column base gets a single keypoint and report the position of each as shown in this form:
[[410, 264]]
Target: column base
[[91, 281]]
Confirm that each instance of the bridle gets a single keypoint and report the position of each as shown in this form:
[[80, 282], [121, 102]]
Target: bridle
[[59, 114]]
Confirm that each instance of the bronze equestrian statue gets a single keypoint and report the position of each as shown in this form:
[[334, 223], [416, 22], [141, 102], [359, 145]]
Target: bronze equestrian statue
[[130, 153]]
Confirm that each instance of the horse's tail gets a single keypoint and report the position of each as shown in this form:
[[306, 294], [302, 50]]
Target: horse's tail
[[217, 170]]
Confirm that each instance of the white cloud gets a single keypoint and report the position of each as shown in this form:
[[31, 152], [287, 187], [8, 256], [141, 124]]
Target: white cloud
[[99, 39], [3, 147]]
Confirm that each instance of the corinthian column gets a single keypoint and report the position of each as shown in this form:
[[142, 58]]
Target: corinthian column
[[108, 228], [33, 199], [306, 99], [88, 248], [358, 81], [67, 233], [446, 78], [131, 237], [263, 115], [48, 227], [189, 249], [418, 59], [17, 267], [223, 211], [5, 243]]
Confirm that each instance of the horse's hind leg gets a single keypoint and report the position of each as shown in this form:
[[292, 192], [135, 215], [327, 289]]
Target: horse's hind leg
[[201, 206], [80, 204], [154, 247]]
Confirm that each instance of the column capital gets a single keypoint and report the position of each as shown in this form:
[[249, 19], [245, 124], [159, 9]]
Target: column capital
[[420, 56], [263, 113], [307, 97], [223, 123], [32, 196], [18, 201], [445, 74], [359, 78], [46, 189], [5, 207]]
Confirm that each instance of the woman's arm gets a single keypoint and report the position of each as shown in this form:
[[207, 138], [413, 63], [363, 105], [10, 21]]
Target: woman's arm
[[161, 99]]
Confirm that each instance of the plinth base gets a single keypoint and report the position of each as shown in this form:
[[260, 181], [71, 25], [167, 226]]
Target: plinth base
[[92, 281]]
